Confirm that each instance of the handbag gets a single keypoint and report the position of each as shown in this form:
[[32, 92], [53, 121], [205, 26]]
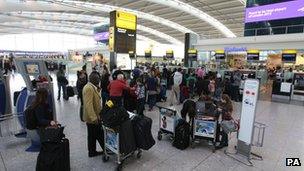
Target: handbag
[[52, 134], [229, 126]]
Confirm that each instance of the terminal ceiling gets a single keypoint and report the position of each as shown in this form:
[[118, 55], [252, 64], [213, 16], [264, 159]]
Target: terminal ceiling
[[164, 21]]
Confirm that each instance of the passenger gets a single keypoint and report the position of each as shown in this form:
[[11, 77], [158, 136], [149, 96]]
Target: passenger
[[151, 85], [42, 109], [62, 82], [116, 88], [140, 93], [91, 114], [236, 82], [105, 81], [191, 81], [226, 109], [177, 80]]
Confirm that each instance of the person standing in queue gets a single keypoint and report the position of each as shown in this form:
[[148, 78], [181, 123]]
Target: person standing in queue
[[226, 108], [91, 113], [62, 82], [177, 80], [116, 88]]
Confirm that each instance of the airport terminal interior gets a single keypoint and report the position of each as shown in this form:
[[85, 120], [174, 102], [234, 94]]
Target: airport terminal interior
[[161, 85]]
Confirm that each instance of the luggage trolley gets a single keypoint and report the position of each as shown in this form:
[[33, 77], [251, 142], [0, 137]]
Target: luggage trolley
[[112, 143], [167, 122], [204, 128]]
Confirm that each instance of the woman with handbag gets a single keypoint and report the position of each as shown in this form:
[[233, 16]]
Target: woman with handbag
[[226, 108]]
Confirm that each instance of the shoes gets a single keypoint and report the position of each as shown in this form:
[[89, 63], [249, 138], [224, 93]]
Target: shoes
[[221, 146], [58, 98], [96, 153]]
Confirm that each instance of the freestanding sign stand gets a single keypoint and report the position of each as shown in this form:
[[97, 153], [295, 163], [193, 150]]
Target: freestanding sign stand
[[247, 125]]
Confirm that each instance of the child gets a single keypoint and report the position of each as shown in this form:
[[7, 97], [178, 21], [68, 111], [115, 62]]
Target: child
[[140, 93]]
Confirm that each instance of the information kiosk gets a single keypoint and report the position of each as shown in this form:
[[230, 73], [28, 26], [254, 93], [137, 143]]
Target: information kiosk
[[35, 75]]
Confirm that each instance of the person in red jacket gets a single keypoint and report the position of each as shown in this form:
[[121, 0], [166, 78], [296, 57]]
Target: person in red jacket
[[116, 88]]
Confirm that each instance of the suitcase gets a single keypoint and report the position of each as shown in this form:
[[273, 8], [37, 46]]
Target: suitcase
[[127, 142], [54, 156], [142, 132], [70, 91]]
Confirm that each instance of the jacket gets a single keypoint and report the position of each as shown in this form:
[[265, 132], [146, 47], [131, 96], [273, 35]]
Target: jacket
[[91, 104], [116, 88], [177, 78]]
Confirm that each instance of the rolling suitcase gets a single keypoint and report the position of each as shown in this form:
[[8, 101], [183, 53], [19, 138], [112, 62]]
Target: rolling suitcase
[[54, 156], [142, 132]]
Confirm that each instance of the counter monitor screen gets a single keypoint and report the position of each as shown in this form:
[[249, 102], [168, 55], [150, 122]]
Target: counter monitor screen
[[253, 56], [220, 56], [32, 68], [289, 57]]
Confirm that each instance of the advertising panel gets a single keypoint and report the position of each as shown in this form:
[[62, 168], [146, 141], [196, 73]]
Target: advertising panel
[[284, 10]]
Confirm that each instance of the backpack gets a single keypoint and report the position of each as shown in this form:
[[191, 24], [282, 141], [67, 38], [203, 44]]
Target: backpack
[[114, 117], [182, 135], [31, 121]]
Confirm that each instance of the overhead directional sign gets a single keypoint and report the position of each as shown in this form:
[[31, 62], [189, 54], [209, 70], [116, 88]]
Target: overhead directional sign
[[284, 10]]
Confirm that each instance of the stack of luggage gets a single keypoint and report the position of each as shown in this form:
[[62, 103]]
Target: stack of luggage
[[135, 133]]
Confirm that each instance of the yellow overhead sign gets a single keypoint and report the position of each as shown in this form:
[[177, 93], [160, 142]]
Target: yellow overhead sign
[[253, 51], [289, 51], [219, 51], [169, 51], [192, 51], [125, 20]]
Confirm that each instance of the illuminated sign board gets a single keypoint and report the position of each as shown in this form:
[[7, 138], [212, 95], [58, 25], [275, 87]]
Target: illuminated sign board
[[289, 55], [169, 54], [192, 54], [284, 10], [253, 55], [125, 20]]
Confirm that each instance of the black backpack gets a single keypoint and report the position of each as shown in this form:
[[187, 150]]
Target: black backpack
[[142, 131], [113, 117], [31, 121], [182, 135]]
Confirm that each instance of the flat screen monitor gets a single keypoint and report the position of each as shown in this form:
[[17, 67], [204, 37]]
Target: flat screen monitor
[[32, 68], [253, 56], [289, 57], [220, 56]]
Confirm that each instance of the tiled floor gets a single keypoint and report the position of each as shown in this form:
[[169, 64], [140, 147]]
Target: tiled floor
[[284, 138]]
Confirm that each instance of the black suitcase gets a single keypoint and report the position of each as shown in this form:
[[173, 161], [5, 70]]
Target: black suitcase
[[54, 156], [126, 138], [70, 91], [182, 135], [142, 132]]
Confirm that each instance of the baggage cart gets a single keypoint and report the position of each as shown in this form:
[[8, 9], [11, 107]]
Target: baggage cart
[[167, 122], [112, 143], [204, 128]]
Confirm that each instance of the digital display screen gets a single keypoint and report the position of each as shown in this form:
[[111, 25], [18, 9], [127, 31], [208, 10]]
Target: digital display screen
[[125, 40], [284, 10], [289, 57], [253, 56], [169, 55], [148, 55], [32, 68], [220, 56]]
